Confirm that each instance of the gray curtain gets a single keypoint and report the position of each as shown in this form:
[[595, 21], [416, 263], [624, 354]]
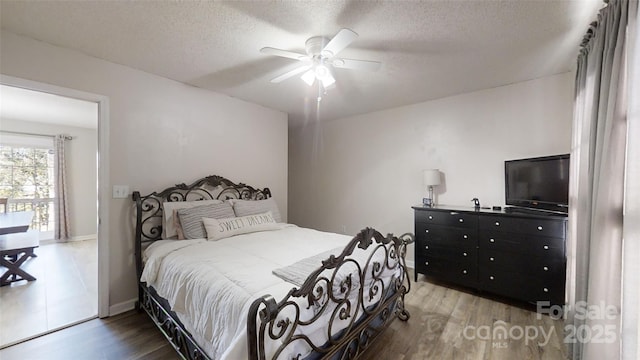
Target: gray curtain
[[62, 230], [599, 164], [631, 229]]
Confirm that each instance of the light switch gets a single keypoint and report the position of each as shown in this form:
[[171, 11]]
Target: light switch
[[120, 191]]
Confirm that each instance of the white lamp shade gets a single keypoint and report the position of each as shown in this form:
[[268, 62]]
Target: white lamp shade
[[431, 177]]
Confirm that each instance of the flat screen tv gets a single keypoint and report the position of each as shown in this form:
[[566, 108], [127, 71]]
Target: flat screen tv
[[540, 183]]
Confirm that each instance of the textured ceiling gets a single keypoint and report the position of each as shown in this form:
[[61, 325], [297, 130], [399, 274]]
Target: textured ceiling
[[428, 49]]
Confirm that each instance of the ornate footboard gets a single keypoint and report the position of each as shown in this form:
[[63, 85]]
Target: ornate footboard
[[350, 307]]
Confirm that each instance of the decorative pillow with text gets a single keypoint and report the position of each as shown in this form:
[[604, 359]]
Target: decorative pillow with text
[[222, 228]]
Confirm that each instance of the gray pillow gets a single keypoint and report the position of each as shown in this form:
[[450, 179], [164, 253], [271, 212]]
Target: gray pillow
[[191, 218], [252, 207]]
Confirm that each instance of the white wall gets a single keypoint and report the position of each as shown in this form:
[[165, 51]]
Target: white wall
[[366, 170], [81, 171], [161, 132]]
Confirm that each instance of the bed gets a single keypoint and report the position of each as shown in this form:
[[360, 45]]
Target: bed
[[250, 286]]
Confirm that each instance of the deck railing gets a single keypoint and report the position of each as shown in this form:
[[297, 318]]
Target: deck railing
[[43, 218]]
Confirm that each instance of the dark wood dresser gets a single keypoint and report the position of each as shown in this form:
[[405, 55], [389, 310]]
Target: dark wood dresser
[[516, 254]]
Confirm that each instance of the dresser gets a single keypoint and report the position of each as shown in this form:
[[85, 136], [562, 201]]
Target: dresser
[[520, 255]]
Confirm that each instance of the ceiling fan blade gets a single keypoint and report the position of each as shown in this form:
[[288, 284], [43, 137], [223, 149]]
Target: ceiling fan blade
[[284, 53], [356, 64], [291, 73], [343, 38]]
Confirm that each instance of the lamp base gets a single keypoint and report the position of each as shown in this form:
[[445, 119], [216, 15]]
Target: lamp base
[[432, 200]]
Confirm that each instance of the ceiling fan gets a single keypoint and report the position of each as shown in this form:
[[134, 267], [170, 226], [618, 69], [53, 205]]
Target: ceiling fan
[[320, 59]]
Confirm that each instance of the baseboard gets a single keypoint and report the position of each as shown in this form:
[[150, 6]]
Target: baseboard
[[122, 307], [75, 238], [84, 237]]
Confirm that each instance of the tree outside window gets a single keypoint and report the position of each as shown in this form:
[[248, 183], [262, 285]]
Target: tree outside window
[[26, 177]]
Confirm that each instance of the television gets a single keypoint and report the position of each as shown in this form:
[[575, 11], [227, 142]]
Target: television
[[540, 183]]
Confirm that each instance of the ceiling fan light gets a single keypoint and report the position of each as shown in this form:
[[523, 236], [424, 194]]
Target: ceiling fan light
[[309, 77], [322, 72], [328, 80]]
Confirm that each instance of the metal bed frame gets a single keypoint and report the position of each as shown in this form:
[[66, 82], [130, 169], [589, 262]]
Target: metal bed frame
[[366, 313]]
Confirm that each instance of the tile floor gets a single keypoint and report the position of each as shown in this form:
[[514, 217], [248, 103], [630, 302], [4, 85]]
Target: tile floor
[[65, 292]]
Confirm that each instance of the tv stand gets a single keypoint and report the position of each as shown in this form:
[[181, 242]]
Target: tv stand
[[515, 254]]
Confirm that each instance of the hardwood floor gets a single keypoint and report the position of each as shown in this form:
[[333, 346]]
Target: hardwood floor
[[445, 324], [65, 292], [456, 324], [131, 335]]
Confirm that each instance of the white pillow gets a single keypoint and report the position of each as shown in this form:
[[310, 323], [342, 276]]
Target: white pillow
[[222, 228], [169, 230], [252, 207]]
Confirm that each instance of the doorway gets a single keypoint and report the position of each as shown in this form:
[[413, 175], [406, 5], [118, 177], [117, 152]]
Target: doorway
[[75, 260]]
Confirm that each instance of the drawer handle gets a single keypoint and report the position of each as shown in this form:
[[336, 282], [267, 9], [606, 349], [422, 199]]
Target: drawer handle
[[461, 220], [464, 254], [539, 228], [465, 236], [464, 271], [490, 277], [491, 259], [546, 247], [492, 240], [545, 289], [426, 247], [497, 223], [430, 217], [426, 263], [427, 231], [545, 268]]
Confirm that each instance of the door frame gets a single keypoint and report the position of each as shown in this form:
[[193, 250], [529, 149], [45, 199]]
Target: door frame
[[103, 174]]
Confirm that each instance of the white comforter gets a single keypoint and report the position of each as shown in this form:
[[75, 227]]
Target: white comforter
[[211, 284]]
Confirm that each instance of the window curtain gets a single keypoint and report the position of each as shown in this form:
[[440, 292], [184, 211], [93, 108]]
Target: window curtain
[[62, 230], [599, 222], [631, 230]]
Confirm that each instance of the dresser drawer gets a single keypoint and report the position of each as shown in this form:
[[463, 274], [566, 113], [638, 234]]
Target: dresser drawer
[[526, 288], [448, 253], [438, 234], [448, 218], [534, 266], [529, 226], [552, 291], [443, 269], [513, 243]]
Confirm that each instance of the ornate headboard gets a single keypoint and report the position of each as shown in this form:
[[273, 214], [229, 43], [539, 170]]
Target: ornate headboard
[[149, 208]]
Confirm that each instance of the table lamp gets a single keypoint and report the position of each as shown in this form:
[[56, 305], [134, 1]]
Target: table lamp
[[431, 177]]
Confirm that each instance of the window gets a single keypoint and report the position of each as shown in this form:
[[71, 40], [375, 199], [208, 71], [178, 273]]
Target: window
[[27, 179]]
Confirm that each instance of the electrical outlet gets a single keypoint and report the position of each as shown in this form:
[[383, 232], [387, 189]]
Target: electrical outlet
[[120, 191]]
